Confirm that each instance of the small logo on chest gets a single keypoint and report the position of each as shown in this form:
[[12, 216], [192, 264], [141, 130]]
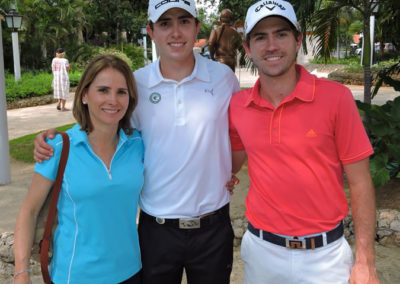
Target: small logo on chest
[[210, 91], [311, 134], [155, 98]]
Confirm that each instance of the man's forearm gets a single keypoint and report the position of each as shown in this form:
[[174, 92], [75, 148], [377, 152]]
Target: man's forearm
[[364, 217]]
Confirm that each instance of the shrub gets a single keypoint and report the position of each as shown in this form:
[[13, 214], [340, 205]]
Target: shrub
[[383, 126], [115, 52], [33, 85], [29, 86], [135, 53]]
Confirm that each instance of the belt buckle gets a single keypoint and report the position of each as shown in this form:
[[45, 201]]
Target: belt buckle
[[189, 223], [295, 244]]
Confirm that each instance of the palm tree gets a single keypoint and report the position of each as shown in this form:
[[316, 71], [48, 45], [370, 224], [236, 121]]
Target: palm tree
[[325, 22]]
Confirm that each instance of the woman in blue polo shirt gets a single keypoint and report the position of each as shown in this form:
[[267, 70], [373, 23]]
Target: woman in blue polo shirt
[[96, 238]]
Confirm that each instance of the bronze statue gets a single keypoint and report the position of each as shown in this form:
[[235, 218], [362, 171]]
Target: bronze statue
[[225, 41]]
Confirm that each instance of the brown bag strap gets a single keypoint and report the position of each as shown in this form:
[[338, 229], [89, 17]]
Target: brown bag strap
[[45, 242]]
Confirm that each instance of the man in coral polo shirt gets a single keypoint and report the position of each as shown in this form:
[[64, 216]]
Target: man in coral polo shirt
[[300, 134]]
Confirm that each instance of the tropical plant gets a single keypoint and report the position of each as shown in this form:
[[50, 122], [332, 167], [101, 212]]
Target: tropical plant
[[325, 22], [207, 23], [74, 25], [384, 131], [48, 25], [385, 75]]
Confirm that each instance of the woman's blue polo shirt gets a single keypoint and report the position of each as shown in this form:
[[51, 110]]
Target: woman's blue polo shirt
[[96, 238]]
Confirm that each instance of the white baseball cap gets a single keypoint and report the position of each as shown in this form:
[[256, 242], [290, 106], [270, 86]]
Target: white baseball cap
[[159, 7], [263, 9]]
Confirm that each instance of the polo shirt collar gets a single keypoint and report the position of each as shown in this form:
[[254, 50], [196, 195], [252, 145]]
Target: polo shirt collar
[[80, 136], [304, 91], [200, 72]]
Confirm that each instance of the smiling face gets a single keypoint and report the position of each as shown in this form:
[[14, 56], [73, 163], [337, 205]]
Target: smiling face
[[107, 98], [272, 47], [175, 33]]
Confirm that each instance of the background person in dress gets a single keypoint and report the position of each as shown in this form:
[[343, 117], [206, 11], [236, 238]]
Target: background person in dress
[[96, 240], [60, 68]]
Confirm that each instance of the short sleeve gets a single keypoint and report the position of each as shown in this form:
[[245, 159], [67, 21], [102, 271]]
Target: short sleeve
[[135, 121], [136, 134], [351, 138], [236, 142], [48, 168]]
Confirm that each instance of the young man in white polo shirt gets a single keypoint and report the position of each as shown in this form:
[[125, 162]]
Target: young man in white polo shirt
[[182, 114]]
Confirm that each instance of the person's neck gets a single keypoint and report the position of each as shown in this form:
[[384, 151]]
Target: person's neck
[[275, 89], [104, 143], [104, 136], [177, 70]]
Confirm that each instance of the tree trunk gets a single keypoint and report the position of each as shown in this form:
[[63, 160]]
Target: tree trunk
[[367, 84], [367, 53], [118, 35], [338, 45]]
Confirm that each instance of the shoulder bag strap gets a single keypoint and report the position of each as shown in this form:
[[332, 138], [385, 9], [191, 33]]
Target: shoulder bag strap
[[45, 243]]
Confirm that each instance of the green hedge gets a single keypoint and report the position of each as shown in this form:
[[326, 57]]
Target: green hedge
[[33, 85]]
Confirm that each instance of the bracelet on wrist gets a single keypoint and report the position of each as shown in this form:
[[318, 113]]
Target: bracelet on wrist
[[16, 274]]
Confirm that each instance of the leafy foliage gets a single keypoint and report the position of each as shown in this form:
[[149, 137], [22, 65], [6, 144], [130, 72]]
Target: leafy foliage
[[74, 25], [33, 85], [385, 76], [383, 127]]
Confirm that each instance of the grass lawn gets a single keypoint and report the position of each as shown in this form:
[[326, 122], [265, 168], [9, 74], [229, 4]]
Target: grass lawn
[[21, 148]]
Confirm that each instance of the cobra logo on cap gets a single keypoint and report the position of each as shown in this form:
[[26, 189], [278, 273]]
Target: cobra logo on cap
[[171, 1]]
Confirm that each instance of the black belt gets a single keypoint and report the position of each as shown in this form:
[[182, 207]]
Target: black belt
[[190, 223], [296, 243]]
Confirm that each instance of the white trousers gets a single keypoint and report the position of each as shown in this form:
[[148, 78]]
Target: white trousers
[[265, 262]]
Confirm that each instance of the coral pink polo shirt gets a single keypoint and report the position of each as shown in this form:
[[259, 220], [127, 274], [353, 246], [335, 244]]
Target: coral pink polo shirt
[[295, 154]]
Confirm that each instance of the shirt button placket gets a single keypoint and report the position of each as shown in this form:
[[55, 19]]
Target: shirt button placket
[[179, 106], [275, 126]]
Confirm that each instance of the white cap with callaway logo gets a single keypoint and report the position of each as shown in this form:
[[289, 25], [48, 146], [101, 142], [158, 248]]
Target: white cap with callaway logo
[[263, 9], [159, 7]]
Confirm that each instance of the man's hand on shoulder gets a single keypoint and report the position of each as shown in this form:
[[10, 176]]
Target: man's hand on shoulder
[[43, 151]]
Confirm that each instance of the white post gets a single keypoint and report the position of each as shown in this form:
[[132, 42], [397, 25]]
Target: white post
[[17, 68], [145, 49], [372, 31], [362, 51], [153, 51], [5, 174]]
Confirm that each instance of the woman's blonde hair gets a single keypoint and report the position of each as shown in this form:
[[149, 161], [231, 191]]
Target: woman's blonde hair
[[99, 63]]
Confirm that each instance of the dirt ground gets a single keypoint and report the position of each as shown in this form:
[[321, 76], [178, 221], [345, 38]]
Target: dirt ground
[[388, 196]]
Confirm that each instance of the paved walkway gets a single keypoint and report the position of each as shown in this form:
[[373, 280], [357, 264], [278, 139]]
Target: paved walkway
[[29, 120]]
